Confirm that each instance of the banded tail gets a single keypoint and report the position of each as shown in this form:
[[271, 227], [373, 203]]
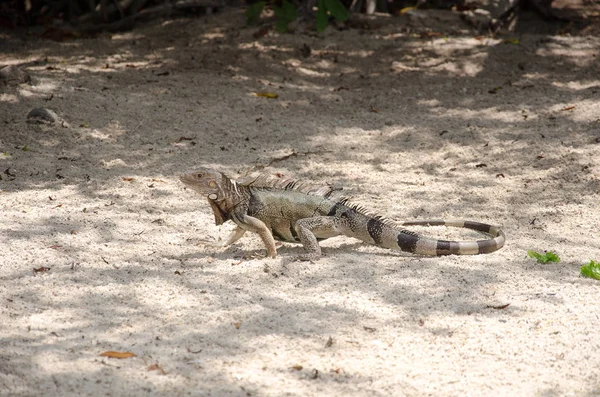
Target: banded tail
[[386, 234], [428, 246]]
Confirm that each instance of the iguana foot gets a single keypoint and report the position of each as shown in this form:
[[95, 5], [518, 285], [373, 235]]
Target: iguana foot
[[307, 257], [212, 244]]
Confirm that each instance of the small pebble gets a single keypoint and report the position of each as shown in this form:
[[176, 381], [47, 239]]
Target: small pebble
[[42, 116], [12, 74]]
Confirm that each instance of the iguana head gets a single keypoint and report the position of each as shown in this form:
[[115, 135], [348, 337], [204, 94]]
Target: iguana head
[[220, 191], [205, 181]]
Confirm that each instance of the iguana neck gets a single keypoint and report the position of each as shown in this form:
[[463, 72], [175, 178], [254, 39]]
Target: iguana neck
[[232, 196]]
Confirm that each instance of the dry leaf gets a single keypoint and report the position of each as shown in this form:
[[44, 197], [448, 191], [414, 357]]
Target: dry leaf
[[112, 354], [156, 367], [237, 324], [370, 329], [499, 307], [296, 367], [406, 9], [41, 269], [158, 180], [127, 179], [568, 108], [431, 34], [270, 95]]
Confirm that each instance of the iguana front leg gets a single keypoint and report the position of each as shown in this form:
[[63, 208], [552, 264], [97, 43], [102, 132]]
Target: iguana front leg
[[235, 235], [308, 229], [252, 224]]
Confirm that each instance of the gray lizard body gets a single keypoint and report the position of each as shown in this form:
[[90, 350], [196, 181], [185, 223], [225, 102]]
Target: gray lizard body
[[296, 212]]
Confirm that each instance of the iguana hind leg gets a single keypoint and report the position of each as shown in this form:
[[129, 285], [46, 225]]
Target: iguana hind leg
[[309, 229]]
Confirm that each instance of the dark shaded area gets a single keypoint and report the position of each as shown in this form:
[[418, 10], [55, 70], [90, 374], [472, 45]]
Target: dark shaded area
[[92, 16], [64, 19]]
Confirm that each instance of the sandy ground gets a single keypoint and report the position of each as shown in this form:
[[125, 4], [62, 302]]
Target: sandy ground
[[413, 124]]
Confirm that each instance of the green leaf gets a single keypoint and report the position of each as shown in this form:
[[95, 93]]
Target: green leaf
[[337, 9], [545, 258], [281, 25], [591, 270], [321, 16], [254, 10], [289, 10], [285, 14]]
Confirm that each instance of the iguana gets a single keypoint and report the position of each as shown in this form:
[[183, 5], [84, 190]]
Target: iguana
[[297, 212]]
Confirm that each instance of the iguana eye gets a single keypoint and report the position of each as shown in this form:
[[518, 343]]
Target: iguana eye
[[199, 175]]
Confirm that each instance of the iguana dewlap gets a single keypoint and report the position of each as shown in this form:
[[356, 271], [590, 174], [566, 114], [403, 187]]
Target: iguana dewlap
[[296, 212]]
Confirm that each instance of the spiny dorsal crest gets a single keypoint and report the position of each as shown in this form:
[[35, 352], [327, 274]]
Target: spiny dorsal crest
[[362, 210], [270, 182]]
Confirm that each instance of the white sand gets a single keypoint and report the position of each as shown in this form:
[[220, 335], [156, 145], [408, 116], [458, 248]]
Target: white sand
[[365, 111]]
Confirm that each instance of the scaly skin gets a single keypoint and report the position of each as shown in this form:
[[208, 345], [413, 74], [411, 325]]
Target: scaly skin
[[295, 212]]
